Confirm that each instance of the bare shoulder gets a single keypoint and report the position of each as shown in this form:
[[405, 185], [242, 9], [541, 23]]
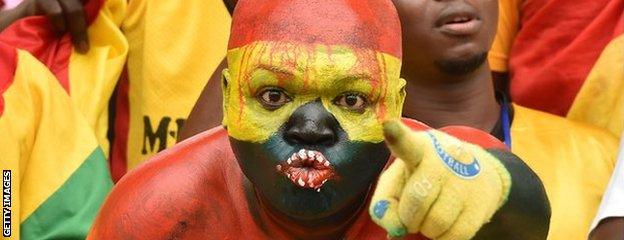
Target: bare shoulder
[[167, 195]]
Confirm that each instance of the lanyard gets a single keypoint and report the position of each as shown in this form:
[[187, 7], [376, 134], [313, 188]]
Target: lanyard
[[506, 124]]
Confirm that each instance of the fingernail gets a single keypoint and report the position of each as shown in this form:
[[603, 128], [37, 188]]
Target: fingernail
[[380, 208], [391, 131], [397, 233]]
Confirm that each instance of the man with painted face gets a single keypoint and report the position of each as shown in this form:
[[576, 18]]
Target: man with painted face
[[449, 83], [308, 89]]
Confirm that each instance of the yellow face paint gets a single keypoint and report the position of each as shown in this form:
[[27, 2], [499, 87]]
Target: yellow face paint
[[306, 73]]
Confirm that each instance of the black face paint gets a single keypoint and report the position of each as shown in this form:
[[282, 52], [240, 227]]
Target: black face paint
[[356, 164]]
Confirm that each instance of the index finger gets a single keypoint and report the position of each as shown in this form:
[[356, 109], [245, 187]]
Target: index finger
[[76, 24], [404, 143]]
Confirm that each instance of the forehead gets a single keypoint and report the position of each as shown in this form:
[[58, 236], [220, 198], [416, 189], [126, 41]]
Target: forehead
[[369, 24], [286, 61]]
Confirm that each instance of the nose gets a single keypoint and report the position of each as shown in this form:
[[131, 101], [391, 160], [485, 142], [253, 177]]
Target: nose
[[312, 124]]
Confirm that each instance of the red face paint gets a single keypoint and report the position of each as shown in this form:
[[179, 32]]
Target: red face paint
[[365, 24]]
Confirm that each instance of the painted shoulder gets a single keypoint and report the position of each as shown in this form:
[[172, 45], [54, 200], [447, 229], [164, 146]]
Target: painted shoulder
[[167, 196], [467, 134]]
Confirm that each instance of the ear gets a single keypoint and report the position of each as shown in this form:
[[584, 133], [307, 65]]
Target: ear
[[225, 88], [401, 95]]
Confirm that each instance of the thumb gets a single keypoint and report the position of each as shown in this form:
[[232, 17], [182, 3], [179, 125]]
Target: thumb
[[405, 143]]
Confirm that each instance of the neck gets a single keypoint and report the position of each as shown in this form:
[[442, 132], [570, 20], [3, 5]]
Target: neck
[[331, 227], [467, 100]]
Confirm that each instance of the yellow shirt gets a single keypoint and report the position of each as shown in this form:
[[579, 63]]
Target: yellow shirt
[[508, 25], [174, 47], [573, 160]]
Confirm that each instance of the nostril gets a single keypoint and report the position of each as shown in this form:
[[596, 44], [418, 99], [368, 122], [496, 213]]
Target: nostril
[[311, 137], [294, 136], [326, 137]]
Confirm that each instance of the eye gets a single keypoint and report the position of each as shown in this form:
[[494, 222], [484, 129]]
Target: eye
[[273, 98], [352, 101]]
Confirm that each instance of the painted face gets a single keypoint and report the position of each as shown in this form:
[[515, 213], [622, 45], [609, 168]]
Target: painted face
[[305, 121], [452, 37]]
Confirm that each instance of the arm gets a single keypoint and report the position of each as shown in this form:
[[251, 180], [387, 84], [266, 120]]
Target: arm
[[208, 110], [177, 194], [526, 214], [446, 188], [610, 217], [609, 229]]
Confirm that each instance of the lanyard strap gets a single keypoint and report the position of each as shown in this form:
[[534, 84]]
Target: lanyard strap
[[506, 124]]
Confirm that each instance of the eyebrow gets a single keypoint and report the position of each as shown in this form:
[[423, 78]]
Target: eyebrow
[[360, 76], [275, 69]]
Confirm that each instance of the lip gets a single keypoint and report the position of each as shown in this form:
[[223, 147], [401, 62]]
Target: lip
[[459, 23], [307, 169]]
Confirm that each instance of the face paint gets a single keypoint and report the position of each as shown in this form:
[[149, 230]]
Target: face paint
[[305, 73], [279, 149], [305, 98]]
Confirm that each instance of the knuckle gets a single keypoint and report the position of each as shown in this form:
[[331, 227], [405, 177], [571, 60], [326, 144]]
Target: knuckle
[[440, 221]]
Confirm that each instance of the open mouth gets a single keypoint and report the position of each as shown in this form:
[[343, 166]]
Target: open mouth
[[307, 169], [459, 23]]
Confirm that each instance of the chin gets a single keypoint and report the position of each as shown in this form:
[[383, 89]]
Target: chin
[[464, 64], [356, 165]]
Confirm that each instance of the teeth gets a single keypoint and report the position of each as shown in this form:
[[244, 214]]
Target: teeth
[[302, 154], [318, 190], [288, 175], [308, 155], [460, 19], [301, 182]]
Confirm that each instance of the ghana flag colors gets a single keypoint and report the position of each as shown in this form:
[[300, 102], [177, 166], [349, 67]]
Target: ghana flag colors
[[162, 61], [89, 78], [55, 176], [565, 57]]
